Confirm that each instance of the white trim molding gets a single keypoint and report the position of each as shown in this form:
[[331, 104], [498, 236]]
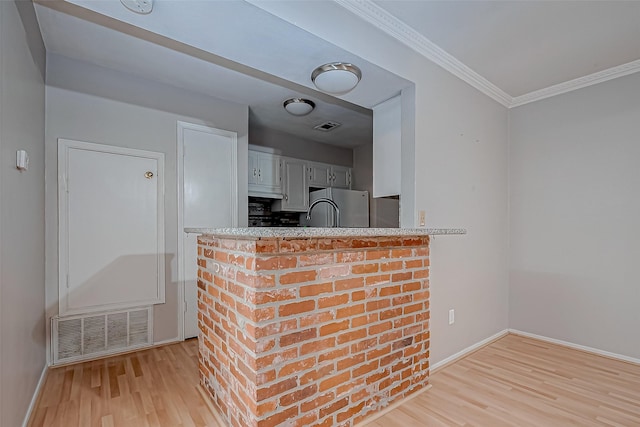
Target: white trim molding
[[155, 344], [586, 349], [579, 83], [477, 346], [35, 397], [465, 352], [383, 20]]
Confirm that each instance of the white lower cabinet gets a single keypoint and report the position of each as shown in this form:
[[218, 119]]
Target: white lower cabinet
[[295, 186]]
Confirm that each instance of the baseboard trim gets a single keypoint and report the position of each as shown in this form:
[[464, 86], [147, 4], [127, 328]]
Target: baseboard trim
[[165, 342], [36, 396], [467, 351], [391, 407], [574, 346]]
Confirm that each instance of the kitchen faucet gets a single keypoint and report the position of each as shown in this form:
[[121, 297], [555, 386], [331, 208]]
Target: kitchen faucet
[[330, 202]]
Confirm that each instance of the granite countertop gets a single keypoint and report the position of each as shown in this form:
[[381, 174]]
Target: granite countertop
[[303, 232]]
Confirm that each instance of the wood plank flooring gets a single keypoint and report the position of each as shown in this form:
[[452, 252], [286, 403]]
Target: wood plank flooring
[[514, 381], [155, 387], [518, 381]]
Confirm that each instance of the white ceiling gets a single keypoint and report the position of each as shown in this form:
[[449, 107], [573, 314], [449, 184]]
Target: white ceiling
[[230, 50], [515, 52], [525, 46]]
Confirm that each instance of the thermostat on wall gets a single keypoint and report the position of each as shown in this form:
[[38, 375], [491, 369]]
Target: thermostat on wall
[[22, 160]]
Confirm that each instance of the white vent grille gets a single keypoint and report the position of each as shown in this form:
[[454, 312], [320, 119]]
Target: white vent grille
[[327, 126], [85, 337]]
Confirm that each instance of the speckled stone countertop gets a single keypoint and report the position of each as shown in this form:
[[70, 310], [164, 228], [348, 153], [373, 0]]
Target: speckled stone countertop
[[304, 232]]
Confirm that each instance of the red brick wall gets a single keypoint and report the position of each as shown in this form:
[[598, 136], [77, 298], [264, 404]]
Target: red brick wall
[[312, 332]]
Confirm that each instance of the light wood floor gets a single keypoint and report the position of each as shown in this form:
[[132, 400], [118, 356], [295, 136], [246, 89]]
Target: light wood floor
[[514, 381], [518, 381], [155, 387]]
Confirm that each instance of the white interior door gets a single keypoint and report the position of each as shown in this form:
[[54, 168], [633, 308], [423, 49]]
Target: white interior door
[[209, 171], [111, 221]]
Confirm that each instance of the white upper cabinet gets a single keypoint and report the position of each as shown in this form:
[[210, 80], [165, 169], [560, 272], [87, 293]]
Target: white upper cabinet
[[387, 137], [288, 180], [322, 175], [319, 175], [264, 174], [341, 177], [295, 187]]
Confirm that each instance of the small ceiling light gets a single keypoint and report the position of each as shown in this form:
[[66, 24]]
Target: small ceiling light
[[142, 7], [299, 106], [336, 78]]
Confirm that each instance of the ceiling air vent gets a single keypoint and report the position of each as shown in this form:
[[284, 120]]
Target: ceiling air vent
[[327, 126]]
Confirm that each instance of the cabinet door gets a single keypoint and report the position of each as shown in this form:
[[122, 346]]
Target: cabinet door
[[269, 171], [319, 175], [264, 173], [253, 167], [295, 185], [340, 177]]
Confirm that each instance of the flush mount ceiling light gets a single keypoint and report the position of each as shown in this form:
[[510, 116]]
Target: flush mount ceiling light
[[336, 78], [299, 106], [142, 7]]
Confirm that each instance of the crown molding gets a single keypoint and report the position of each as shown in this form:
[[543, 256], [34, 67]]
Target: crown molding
[[579, 83], [383, 20], [391, 25]]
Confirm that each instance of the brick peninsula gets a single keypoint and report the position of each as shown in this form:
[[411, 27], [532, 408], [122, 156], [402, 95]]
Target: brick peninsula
[[312, 326]]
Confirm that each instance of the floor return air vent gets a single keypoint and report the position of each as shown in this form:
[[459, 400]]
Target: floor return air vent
[[82, 337]]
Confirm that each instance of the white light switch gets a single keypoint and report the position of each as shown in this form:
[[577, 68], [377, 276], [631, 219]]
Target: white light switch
[[22, 160], [422, 219]]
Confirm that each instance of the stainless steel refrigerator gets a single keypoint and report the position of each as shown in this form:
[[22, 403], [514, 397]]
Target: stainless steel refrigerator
[[353, 204]]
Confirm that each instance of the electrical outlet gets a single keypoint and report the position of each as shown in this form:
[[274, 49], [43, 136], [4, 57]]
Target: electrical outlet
[[422, 218], [452, 316]]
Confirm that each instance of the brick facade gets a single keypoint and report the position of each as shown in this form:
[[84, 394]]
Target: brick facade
[[313, 332]]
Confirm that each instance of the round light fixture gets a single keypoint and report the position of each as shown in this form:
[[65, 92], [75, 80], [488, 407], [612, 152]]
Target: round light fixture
[[142, 7], [336, 78], [299, 106]]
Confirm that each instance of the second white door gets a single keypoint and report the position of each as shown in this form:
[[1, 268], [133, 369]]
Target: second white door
[[209, 199]]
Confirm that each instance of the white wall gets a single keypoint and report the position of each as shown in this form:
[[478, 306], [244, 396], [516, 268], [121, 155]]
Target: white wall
[[575, 207], [22, 323], [459, 150], [94, 104], [306, 149]]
